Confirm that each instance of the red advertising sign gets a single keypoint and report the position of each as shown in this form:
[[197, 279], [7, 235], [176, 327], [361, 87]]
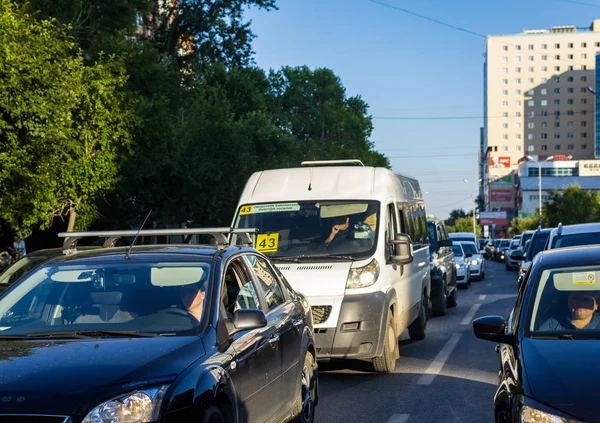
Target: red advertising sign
[[499, 162], [501, 195]]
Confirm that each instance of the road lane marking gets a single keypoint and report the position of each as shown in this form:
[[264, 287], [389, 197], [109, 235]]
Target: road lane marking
[[482, 297], [399, 418], [469, 317], [488, 284], [438, 362]]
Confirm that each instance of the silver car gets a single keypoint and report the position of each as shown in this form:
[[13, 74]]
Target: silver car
[[512, 264], [475, 260]]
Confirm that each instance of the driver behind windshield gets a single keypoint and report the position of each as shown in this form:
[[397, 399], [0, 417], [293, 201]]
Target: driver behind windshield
[[192, 297], [580, 314]]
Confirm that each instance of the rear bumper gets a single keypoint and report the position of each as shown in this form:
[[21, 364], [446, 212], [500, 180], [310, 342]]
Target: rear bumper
[[359, 331]]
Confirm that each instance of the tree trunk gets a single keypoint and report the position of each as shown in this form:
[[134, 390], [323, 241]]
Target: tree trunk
[[72, 216]]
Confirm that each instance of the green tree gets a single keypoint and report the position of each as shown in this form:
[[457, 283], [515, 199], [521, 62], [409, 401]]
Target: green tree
[[521, 224], [63, 126], [573, 205], [464, 224]]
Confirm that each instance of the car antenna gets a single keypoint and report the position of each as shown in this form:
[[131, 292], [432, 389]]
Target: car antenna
[[136, 235]]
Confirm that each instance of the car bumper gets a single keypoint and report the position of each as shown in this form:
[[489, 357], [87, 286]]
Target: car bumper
[[359, 329], [461, 276], [475, 271]]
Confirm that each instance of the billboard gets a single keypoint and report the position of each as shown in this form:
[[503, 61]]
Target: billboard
[[589, 167], [499, 162], [489, 218], [501, 195]]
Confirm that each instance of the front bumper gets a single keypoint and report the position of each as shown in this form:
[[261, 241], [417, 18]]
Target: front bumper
[[475, 270], [359, 331], [462, 275]]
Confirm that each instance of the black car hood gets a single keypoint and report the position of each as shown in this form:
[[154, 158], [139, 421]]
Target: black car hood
[[564, 374], [71, 376]]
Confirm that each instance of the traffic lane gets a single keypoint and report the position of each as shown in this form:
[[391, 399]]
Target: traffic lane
[[358, 394]]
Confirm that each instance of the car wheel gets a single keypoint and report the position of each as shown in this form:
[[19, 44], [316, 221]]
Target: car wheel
[[453, 299], [438, 300], [304, 409], [483, 275], [417, 329], [213, 415], [386, 363]]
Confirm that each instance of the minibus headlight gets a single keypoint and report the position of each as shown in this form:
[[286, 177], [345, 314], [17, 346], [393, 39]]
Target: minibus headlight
[[361, 277]]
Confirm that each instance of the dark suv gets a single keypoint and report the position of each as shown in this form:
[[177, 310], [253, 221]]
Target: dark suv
[[443, 271], [157, 333]]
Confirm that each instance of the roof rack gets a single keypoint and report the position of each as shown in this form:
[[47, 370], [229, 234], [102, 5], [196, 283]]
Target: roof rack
[[352, 162], [219, 234]]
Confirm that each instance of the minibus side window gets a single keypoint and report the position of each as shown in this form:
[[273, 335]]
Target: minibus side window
[[391, 229]]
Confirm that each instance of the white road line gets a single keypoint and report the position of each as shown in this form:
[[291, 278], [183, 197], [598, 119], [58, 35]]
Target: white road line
[[488, 284], [482, 297], [399, 418], [469, 317], [438, 362]]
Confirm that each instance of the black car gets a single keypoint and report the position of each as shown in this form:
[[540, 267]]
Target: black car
[[536, 244], [443, 273], [157, 333], [549, 347]]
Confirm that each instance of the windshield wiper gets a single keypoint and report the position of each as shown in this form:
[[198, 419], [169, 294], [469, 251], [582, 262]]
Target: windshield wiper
[[292, 259], [87, 334], [297, 259]]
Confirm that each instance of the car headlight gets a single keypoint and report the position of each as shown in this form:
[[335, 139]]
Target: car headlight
[[138, 406], [361, 277], [458, 266], [533, 415], [474, 262]]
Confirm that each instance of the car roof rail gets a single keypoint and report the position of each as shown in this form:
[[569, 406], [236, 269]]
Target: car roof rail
[[559, 228], [352, 162], [219, 234]]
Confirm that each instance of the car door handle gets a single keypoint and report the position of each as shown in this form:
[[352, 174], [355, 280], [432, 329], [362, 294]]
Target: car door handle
[[274, 340]]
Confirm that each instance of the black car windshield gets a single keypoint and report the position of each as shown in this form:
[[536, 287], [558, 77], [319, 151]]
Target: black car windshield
[[313, 228], [21, 267], [539, 243], [574, 240], [469, 248], [526, 237], [514, 245], [457, 250], [504, 244], [565, 300], [156, 297]]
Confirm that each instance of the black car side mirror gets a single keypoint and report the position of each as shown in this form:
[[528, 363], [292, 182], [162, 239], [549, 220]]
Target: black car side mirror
[[492, 328], [445, 243], [246, 320], [517, 255], [402, 251]]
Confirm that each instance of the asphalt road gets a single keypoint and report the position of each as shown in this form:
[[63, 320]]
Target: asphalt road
[[450, 376]]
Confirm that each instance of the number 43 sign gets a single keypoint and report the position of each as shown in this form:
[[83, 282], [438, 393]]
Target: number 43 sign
[[267, 243]]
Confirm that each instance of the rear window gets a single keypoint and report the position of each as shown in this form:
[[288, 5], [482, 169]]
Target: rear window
[[514, 245], [461, 239], [575, 240]]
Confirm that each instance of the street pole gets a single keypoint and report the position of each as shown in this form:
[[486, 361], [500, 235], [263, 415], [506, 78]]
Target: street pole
[[539, 180], [473, 202]]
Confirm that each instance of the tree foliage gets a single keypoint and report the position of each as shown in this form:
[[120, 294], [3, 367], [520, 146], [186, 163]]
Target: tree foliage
[[464, 224], [521, 224], [63, 125], [572, 205]]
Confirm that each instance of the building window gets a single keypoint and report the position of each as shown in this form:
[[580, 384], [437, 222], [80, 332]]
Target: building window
[[544, 102], [570, 90], [531, 80], [557, 146], [570, 79], [570, 135], [531, 103], [597, 43], [505, 92], [530, 148], [530, 114], [517, 114], [544, 136], [504, 114], [583, 123], [518, 70], [504, 148], [544, 124], [571, 68], [584, 45], [557, 114], [505, 48], [544, 80], [570, 124], [505, 136], [583, 90], [504, 70], [557, 136], [557, 45], [518, 125], [570, 45], [584, 112], [505, 125], [517, 59], [557, 102], [531, 125], [584, 135], [531, 58], [518, 103], [544, 147], [518, 47], [570, 57], [545, 46], [544, 113], [557, 124], [505, 59], [570, 147], [531, 69], [544, 91], [557, 57], [530, 137], [518, 148], [583, 146], [570, 101], [530, 46], [570, 113], [584, 101], [584, 79], [518, 80], [556, 79], [544, 68], [505, 104], [557, 68], [584, 56], [583, 67], [557, 91], [518, 92], [505, 81], [518, 136]]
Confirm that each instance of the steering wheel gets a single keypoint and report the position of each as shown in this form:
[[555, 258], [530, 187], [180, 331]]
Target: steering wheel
[[176, 310]]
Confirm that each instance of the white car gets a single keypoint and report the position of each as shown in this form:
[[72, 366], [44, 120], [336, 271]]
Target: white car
[[463, 274], [474, 259]]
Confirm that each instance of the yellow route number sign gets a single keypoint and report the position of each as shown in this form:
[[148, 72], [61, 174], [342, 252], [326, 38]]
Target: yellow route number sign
[[267, 243], [246, 210]]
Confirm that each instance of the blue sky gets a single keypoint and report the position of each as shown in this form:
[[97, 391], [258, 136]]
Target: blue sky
[[402, 65]]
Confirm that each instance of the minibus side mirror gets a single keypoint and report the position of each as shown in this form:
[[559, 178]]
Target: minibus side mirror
[[402, 251]]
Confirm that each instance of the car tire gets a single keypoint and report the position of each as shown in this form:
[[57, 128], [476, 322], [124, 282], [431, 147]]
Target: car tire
[[304, 408], [386, 363], [417, 329], [482, 277], [213, 415], [438, 301], [453, 299]]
